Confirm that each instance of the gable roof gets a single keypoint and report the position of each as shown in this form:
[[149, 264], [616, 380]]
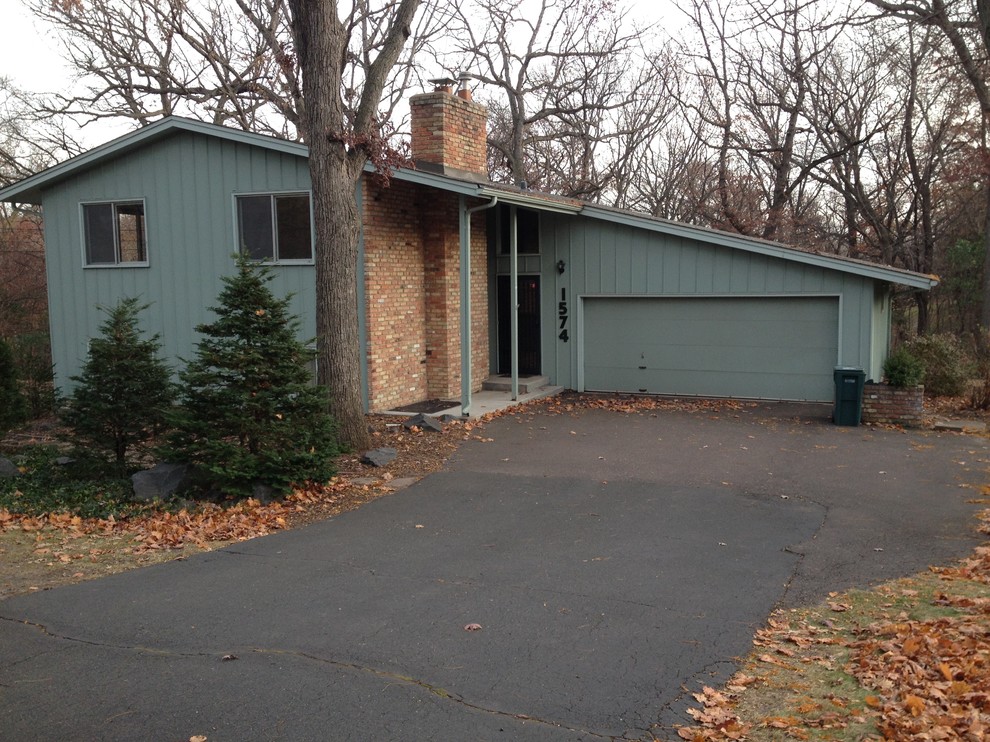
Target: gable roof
[[29, 190]]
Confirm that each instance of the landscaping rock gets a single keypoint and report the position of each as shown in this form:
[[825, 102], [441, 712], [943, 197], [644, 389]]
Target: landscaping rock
[[401, 483], [65, 461], [160, 482], [263, 493], [7, 468], [423, 422], [380, 456], [961, 426]]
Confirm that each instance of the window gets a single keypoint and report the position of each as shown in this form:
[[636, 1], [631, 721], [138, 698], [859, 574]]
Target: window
[[527, 232], [115, 233], [275, 227]]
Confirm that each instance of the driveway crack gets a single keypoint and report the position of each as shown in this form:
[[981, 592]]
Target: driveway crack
[[107, 645], [801, 554], [431, 688], [436, 690]]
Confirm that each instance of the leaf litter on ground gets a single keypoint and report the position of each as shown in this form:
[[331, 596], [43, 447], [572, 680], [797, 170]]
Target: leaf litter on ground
[[908, 660]]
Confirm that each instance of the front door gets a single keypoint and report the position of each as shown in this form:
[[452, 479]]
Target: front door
[[529, 325]]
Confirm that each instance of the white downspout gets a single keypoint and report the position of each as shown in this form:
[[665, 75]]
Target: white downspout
[[514, 298], [465, 234]]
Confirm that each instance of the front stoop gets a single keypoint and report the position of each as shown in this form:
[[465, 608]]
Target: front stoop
[[503, 383]]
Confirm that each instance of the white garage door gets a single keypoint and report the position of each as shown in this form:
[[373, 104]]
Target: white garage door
[[751, 347]]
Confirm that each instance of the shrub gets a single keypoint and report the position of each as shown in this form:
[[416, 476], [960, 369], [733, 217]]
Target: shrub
[[124, 390], [12, 408], [903, 369], [49, 487], [979, 392], [248, 412], [33, 358], [947, 366]]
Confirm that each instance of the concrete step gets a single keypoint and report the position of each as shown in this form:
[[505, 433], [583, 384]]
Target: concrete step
[[503, 383]]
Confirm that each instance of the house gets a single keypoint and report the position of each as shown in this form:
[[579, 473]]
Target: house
[[606, 299]]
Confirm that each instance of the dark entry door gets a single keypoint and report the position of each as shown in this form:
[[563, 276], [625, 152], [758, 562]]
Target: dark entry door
[[529, 325]]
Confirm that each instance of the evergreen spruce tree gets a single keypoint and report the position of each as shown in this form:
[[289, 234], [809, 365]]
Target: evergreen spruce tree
[[125, 390], [12, 408], [248, 411]]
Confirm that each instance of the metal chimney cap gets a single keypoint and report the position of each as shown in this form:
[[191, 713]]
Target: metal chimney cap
[[443, 82]]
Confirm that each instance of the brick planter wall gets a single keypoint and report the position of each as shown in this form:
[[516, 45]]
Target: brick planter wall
[[890, 405]]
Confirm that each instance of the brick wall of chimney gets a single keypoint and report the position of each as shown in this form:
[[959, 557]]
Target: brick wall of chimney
[[412, 285], [449, 134]]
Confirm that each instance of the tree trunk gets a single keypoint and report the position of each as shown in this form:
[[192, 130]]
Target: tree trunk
[[985, 310], [921, 304], [338, 152], [337, 220], [321, 41]]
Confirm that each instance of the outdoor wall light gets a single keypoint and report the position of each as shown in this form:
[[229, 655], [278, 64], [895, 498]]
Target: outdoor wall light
[[560, 266]]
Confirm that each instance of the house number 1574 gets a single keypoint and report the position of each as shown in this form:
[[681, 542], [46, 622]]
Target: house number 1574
[[562, 314]]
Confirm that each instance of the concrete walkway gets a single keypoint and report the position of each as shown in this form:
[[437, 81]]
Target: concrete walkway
[[611, 561]]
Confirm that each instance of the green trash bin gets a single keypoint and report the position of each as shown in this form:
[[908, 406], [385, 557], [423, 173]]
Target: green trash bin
[[849, 382]]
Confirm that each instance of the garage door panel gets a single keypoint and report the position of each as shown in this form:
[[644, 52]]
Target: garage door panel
[[775, 348]]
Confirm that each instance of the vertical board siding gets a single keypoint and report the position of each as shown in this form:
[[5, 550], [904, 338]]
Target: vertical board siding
[[188, 182], [605, 259]]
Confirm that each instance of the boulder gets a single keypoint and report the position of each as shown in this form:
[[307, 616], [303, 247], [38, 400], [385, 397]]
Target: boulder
[[423, 422], [263, 493], [380, 456], [8, 469], [160, 482]]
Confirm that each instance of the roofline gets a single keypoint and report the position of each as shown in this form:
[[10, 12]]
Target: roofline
[[29, 189]]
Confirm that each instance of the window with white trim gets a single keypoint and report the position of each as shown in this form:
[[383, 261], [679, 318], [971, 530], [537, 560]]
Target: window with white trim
[[275, 227], [114, 233]]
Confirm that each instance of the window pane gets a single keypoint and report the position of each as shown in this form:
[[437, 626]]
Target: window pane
[[130, 233], [527, 232], [254, 218], [295, 239], [98, 226]]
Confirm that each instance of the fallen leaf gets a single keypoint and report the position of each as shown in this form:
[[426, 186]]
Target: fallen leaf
[[473, 627], [914, 705]]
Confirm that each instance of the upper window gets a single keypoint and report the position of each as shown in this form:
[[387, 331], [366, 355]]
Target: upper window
[[275, 227], [527, 232], [115, 233]]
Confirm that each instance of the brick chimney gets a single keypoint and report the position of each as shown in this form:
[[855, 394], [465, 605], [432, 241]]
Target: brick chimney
[[449, 132]]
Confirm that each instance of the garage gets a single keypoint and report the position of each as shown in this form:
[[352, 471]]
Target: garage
[[766, 347]]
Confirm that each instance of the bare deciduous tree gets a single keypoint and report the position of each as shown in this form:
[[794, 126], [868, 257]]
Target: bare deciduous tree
[[965, 25], [344, 128], [229, 62], [555, 74]]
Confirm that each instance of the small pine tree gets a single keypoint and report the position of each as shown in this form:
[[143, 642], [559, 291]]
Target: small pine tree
[[124, 391], [248, 412], [12, 407]]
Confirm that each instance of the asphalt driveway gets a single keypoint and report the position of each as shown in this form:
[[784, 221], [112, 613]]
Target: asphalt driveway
[[612, 560]]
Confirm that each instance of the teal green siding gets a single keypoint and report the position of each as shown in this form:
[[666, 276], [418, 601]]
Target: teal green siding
[[188, 182], [605, 259], [880, 332]]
